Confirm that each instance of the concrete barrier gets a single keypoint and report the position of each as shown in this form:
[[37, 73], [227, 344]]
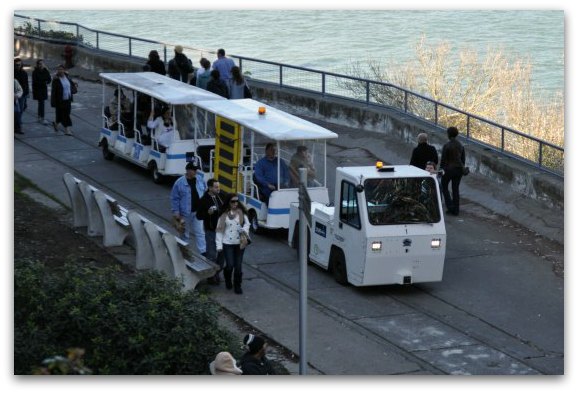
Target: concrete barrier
[[114, 219], [95, 225], [79, 213], [144, 252]]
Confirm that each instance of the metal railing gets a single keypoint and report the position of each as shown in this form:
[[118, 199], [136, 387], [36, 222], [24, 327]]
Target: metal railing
[[489, 134]]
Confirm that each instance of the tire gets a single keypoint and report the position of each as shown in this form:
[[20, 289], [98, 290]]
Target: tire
[[253, 222], [339, 267], [106, 154], [158, 178]]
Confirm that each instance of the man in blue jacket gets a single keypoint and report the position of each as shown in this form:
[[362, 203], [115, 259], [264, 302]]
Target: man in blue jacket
[[185, 198], [266, 173]]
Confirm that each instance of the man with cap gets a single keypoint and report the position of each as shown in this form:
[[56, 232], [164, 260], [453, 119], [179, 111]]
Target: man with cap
[[180, 66], [254, 361], [185, 197]]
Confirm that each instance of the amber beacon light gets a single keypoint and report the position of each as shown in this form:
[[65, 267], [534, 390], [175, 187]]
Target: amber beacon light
[[262, 110]]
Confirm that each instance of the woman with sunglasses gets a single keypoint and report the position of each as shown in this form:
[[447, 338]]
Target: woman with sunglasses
[[231, 224]]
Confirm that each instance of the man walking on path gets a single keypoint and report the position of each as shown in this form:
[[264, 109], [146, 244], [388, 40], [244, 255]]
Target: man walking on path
[[453, 162], [185, 199], [423, 152], [209, 211], [22, 77]]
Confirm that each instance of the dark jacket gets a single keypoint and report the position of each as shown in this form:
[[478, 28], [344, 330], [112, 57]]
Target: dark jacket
[[423, 153], [453, 155], [210, 220], [180, 67], [40, 80], [22, 77], [218, 87], [252, 366], [56, 94], [157, 66]]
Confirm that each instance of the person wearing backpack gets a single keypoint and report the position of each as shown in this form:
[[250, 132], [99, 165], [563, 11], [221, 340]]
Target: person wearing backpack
[[180, 66], [217, 86], [203, 74]]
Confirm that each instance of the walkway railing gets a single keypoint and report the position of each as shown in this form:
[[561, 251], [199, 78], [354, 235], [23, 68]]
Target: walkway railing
[[505, 140]]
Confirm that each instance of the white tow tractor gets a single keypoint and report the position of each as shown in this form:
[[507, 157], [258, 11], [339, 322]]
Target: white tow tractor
[[386, 227]]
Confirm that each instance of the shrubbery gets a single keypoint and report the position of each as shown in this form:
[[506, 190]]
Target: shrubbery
[[127, 324]]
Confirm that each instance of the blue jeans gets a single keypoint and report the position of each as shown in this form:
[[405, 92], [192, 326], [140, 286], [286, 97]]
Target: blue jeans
[[234, 261], [195, 226]]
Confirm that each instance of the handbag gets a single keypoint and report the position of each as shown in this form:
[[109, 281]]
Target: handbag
[[466, 170], [245, 240]]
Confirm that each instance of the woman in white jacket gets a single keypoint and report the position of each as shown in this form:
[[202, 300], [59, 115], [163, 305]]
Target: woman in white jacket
[[232, 224]]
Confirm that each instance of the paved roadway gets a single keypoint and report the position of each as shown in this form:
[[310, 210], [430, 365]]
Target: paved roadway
[[498, 310]]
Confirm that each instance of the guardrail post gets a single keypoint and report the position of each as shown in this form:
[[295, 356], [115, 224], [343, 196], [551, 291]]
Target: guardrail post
[[540, 148], [468, 127], [241, 65], [436, 114], [502, 138], [77, 33], [405, 105], [130, 47], [323, 84], [39, 29], [367, 92], [165, 53], [97, 40], [281, 75]]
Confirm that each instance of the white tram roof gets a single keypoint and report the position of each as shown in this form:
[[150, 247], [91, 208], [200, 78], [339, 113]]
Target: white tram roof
[[274, 124], [371, 172], [161, 87]]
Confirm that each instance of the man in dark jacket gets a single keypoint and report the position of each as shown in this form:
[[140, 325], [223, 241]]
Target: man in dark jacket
[[22, 77], [423, 152], [209, 211], [254, 361], [453, 162], [180, 66]]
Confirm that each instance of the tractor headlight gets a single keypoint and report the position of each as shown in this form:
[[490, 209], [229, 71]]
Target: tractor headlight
[[376, 246], [436, 243]]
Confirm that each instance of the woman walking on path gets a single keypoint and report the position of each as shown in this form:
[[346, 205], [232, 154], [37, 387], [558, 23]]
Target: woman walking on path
[[40, 80], [232, 225], [63, 89]]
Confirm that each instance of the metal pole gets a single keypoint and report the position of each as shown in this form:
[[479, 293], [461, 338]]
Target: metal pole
[[302, 280]]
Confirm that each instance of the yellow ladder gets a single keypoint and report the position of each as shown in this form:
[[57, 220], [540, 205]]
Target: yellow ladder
[[227, 155]]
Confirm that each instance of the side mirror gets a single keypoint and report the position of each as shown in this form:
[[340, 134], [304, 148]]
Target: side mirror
[[359, 188]]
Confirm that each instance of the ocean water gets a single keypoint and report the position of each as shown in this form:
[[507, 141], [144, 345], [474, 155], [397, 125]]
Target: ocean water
[[331, 40]]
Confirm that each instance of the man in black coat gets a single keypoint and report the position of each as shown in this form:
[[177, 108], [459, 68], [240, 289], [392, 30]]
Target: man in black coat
[[423, 153], [22, 77], [209, 210], [453, 162], [180, 66]]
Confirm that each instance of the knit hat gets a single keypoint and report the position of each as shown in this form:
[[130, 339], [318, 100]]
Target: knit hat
[[179, 49], [253, 343], [224, 364]]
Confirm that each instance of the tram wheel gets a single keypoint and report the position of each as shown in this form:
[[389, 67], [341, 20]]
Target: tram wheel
[[158, 178], [339, 267], [107, 154]]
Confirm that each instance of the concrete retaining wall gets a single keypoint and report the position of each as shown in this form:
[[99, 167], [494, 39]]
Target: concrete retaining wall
[[520, 177]]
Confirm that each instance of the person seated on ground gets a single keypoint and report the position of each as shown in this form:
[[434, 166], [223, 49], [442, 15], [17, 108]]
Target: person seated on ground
[[126, 117], [216, 85], [301, 159], [254, 361], [224, 364], [163, 128], [266, 173]]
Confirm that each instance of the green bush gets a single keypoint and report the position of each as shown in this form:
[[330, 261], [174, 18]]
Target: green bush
[[127, 323]]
